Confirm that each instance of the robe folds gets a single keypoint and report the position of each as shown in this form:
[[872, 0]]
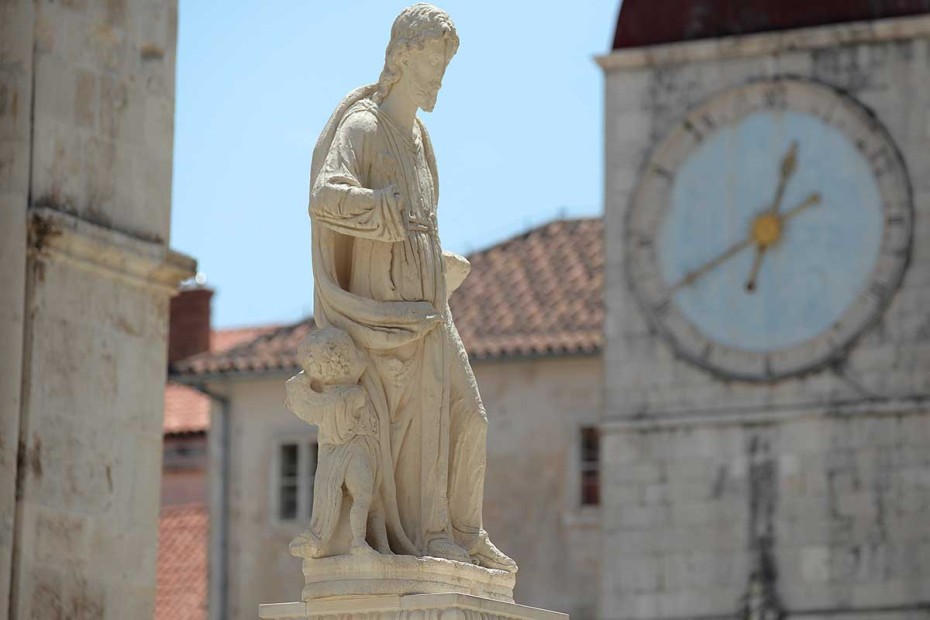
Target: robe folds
[[380, 275]]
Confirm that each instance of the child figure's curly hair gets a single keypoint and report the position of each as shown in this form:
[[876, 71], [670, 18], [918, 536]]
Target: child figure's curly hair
[[329, 357]]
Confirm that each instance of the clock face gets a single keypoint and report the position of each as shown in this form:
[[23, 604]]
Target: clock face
[[769, 229]]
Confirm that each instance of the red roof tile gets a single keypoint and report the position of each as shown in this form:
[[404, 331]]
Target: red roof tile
[[181, 582], [534, 295], [186, 410], [225, 339]]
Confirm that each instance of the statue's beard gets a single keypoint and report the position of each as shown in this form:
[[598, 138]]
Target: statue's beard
[[426, 95]]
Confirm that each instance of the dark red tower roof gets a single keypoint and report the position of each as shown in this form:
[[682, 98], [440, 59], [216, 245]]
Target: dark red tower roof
[[651, 22]]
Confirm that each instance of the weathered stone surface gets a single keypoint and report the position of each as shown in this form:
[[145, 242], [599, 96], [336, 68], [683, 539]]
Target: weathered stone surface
[[410, 607], [710, 484], [379, 575], [16, 20], [104, 113], [85, 164]]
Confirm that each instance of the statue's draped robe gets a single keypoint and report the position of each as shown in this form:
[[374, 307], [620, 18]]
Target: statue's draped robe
[[379, 275]]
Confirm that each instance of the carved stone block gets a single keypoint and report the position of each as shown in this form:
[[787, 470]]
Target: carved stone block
[[347, 575], [447, 606]]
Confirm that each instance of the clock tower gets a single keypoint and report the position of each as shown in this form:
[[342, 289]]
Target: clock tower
[[766, 434]]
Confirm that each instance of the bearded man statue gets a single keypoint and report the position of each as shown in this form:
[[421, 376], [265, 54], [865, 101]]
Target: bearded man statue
[[381, 275]]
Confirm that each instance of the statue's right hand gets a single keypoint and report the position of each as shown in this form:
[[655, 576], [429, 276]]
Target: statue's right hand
[[395, 198]]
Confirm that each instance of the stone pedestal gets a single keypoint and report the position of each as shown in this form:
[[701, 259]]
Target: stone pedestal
[[398, 575], [446, 606]]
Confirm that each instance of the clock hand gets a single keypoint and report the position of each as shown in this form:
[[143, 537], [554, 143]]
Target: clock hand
[[789, 164], [775, 224], [769, 225], [756, 265], [810, 201], [691, 276]]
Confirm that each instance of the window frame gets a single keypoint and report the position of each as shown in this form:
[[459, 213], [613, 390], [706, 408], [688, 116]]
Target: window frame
[[589, 466], [307, 451]]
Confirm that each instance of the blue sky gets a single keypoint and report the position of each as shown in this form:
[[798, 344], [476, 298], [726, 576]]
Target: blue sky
[[517, 130]]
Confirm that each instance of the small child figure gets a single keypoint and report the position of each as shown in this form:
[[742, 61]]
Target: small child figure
[[326, 393]]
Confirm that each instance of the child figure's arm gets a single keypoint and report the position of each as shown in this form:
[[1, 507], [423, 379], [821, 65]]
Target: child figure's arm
[[305, 402]]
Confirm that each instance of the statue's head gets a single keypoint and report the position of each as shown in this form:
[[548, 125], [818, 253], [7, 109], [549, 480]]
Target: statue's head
[[423, 41], [329, 357]]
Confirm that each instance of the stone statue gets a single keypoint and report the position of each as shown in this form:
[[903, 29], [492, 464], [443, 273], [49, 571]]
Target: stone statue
[[326, 393], [382, 277]]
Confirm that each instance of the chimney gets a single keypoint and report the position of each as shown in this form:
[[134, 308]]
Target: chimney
[[189, 326]]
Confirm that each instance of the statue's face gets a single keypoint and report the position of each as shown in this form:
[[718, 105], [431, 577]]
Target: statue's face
[[424, 69]]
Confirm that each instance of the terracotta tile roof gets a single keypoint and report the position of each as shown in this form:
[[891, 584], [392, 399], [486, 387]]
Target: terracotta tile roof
[[186, 409], [225, 339], [181, 582], [536, 294]]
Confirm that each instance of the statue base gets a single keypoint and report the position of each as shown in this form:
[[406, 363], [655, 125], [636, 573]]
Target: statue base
[[447, 606], [366, 575]]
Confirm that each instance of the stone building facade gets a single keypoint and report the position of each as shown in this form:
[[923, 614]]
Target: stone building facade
[[86, 133], [799, 495]]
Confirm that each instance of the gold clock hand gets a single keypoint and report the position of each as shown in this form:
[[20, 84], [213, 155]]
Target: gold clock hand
[[692, 276], [770, 224], [756, 265], [810, 201], [789, 164], [764, 238]]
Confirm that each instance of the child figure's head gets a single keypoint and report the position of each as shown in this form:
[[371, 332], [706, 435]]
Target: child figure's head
[[329, 357]]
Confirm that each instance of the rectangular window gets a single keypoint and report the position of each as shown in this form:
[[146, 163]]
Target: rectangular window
[[296, 470], [590, 466], [288, 481]]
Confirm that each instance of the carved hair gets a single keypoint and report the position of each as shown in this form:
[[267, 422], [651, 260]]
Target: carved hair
[[329, 357], [414, 26]]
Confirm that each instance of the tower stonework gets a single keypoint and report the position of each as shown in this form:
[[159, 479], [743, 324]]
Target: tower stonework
[[766, 436], [86, 134]]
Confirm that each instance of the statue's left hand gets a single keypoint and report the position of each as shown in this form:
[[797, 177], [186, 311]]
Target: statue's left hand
[[457, 269]]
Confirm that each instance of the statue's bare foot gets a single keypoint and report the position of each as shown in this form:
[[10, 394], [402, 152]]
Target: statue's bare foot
[[447, 550], [305, 545], [487, 555], [362, 549]]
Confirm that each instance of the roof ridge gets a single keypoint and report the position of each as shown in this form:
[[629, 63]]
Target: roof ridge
[[529, 231], [533, 314]]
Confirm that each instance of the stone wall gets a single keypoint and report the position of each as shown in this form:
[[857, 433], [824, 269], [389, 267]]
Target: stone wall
[[843, 498], [818, 484], [86, 131], [15, 92], [536, 409]]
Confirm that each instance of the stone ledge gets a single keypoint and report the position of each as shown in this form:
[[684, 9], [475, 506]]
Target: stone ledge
[[352, 575], [442, 606], [60, 236], [915, 404], [761, 44]]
